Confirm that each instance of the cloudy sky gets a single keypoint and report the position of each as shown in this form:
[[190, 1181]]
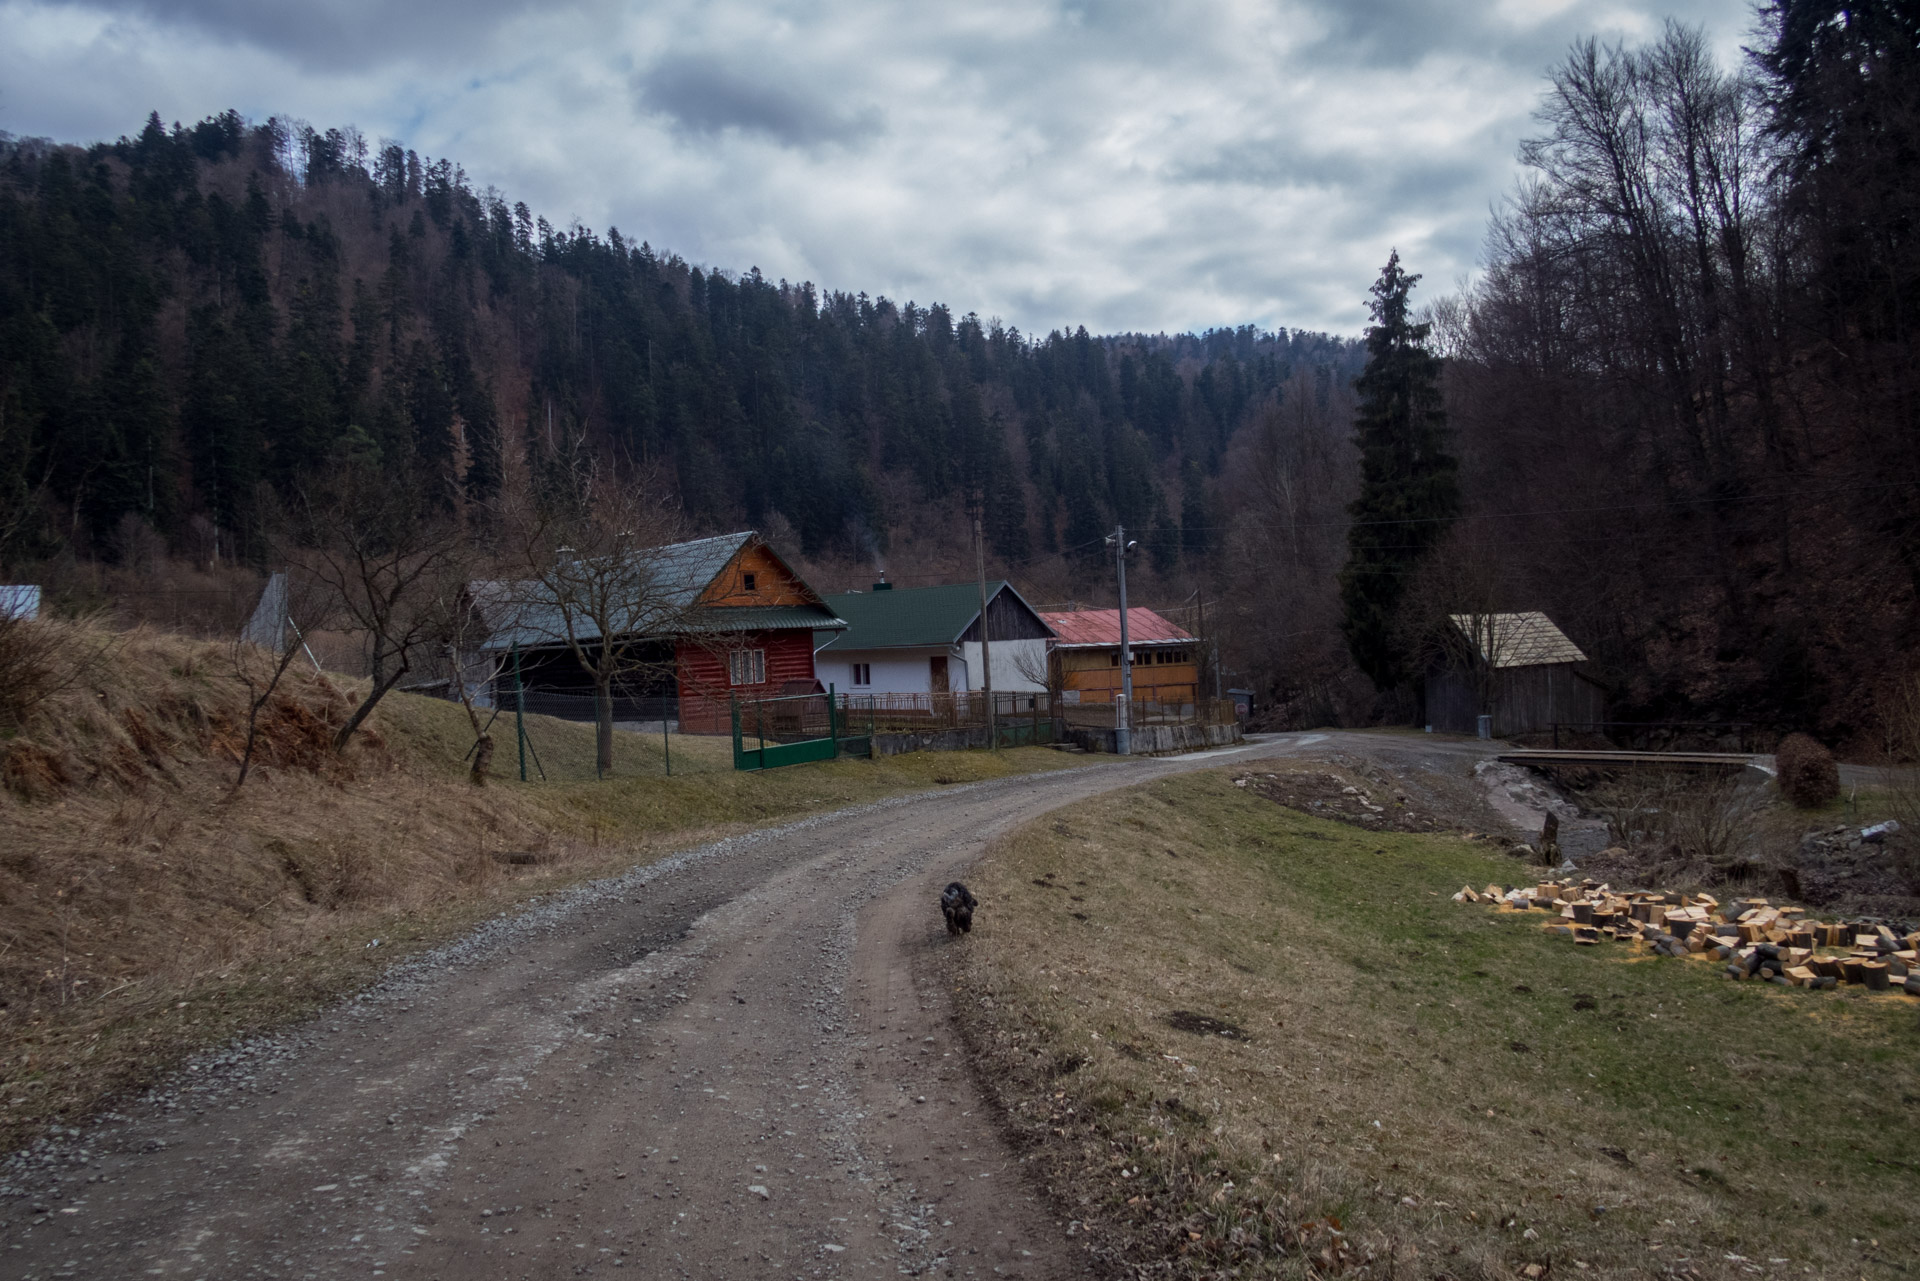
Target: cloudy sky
[[1127, 165]]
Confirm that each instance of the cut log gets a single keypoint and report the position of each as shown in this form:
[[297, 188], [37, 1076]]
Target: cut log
[[1874, 975]]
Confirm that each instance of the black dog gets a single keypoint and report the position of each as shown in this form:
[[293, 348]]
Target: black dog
[[957, 904]]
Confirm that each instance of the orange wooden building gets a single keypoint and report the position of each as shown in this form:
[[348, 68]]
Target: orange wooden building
[[1086, 658]]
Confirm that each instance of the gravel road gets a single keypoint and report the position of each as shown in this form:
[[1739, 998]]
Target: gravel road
[[726, 1064]]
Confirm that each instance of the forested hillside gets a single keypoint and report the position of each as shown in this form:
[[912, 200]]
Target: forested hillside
[[198, 317], [1679, 410]]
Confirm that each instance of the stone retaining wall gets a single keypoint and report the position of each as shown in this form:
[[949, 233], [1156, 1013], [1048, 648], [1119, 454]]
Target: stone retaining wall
[[1160, 740]]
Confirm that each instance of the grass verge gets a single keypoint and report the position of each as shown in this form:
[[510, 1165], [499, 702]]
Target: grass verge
[[149, 910], [1240, 1041]]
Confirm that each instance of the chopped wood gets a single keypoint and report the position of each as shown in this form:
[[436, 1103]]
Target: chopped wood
[[1751, 938]]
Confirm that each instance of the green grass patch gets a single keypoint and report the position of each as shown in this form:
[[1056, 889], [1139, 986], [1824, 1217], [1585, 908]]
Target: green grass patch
[[1458, 1090]]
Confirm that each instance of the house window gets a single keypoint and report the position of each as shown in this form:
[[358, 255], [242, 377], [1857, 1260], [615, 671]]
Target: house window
[[747, 667], [1116, 658], [748, 579], [863, 673]]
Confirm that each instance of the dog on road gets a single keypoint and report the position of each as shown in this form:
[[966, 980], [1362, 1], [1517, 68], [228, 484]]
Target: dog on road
[[956, 904]]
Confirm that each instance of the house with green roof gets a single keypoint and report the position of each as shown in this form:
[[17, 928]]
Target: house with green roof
[[927, 640]]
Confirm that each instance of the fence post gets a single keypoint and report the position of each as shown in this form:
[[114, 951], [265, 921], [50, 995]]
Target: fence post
[[519, 712], [666, 747], [833, 720]]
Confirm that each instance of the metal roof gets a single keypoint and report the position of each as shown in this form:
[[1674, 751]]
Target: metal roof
[[757, 618], [1100, 628], [1517, 640], [662, 584], [910, 617]]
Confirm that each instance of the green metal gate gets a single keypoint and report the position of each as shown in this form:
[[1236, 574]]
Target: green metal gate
[[791, 730]]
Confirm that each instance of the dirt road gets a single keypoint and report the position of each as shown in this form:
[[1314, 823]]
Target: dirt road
[[722, 1065]]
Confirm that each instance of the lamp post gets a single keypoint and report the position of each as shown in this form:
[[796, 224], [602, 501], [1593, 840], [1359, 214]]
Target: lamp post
[[1123, 729]]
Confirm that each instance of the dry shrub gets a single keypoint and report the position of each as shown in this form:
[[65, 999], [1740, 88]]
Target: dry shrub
[[32, 772], [1808, 775], [1899, 711], [1689, 827], [40, 658]]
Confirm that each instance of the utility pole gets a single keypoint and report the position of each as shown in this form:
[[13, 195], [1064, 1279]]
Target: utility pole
[[519, 712], [1123, 730], [986, 657]]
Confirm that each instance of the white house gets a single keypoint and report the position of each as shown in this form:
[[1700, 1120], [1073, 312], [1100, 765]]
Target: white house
[[926, 640]]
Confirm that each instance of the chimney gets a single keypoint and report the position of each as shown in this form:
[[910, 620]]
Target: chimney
[[883, 585]]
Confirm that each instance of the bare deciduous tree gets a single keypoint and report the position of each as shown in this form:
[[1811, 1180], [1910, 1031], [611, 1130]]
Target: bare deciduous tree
[[388, 562], [597, 584], [274, 629]]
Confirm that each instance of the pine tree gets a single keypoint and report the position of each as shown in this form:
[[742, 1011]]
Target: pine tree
[[1196, 512], [1409, 488]]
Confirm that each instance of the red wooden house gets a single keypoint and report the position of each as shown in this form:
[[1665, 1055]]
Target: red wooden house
[[728, 619]]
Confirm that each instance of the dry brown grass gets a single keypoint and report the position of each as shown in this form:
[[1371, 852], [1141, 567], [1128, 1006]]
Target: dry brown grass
[[148, 908], [1421, 1089]]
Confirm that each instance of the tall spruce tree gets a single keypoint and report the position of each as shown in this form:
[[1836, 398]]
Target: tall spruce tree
[[1409, 485]]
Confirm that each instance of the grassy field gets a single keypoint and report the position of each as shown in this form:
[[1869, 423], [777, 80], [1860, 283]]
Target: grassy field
[[1241, 1041], [148, 909]]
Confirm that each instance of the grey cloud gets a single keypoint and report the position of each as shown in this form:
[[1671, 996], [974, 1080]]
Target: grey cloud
[[1397, 33], [335, 35], [704, 95], [1129, 164]]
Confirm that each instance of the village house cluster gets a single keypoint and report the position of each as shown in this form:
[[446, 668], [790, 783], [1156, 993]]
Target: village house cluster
[[734, 621]]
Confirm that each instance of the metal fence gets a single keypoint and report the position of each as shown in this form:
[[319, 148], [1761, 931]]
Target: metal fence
[[1205, 711], [627, 709], [1738, 736]]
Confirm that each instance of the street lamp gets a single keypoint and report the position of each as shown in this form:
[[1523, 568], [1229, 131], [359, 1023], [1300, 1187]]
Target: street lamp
[[1123, 725]]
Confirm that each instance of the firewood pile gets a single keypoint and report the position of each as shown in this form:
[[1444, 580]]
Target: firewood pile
[[1751, 938]]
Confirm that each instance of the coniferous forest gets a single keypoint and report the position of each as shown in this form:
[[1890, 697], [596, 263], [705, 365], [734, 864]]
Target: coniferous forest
[[199, 315], [1678, 410]]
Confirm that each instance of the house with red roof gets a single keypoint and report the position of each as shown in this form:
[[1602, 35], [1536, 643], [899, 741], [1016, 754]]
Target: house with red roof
[[1086, 657]]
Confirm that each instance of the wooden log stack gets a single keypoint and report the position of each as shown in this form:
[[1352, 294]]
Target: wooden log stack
[[1752, 938]]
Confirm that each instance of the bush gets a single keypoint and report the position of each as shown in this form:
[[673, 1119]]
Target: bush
[[1808, 776]]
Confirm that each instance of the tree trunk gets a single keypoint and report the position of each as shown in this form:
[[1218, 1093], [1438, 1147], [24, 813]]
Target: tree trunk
[[360, 713], [482, 760], [603, 724]]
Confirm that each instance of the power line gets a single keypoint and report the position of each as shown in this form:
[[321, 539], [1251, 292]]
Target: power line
[[1851, 487]]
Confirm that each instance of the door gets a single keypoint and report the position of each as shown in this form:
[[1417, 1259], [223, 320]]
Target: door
[[937, 674]]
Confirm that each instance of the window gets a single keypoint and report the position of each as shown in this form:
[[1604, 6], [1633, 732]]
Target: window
[[863, 673], [748, 580], [1116, 658], [747, 667]]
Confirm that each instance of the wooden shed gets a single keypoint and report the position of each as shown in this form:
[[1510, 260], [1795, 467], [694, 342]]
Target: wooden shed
[[1166, 657], [1518, 668]]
